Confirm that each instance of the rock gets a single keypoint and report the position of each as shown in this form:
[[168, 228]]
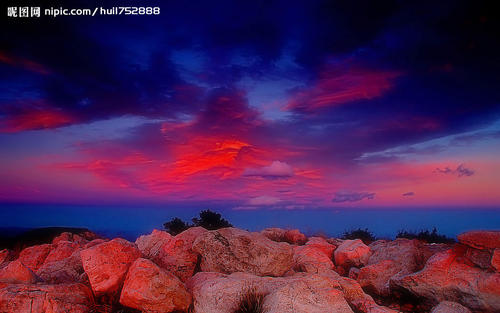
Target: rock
[[33, 257], [481, 239], [16, 273], [150, 289], [450, 307], [310, 259], [357, 299], [375, 278], [64, 298], [353, 273], [480, 257], [61, 251], [94, 242], [292, 236], [177, 255], [301, 293], [321, 244], [150, 245], [106, 264], [388, 259], [495, 260], [67, 270], [66, 236], [230, 250], [447, 276], [6, 255], [352, 253]]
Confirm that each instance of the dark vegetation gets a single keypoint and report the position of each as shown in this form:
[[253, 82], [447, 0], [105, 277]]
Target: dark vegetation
[[425, 235], [37, 236], [251, 301], [207, 219], [364, 234]]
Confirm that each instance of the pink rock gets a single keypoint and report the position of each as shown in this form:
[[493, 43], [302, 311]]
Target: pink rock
[[94, 242], [151, 289], [106, 264], [16, 273], [310, 259], [150, 245], [230, 250], [352, 253], [68, 270], [480, 257], [292, 236], [6, 255], [495, 260], [177, 255], [66, 236], [64, 298], [375, 278], [321, 244], [33, 257], [61, 250], [450, 307], [447, 276], [481, 239]]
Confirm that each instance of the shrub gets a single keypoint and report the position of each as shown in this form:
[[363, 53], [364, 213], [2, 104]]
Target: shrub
[[210, 220], [251, 301], [364, 234], [207, 219], [176, 226], [426, 235]]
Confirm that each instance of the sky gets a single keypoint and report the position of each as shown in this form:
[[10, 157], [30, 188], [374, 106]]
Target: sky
[[252, 105]]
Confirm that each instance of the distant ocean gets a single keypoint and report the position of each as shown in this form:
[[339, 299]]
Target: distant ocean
[[130, 222]]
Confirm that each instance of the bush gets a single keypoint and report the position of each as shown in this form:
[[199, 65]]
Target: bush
[[207, 219], [176, 226], [425, 235], [251, 302], [364, 234]]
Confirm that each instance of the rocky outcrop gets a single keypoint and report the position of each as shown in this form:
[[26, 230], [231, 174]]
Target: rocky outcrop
[[495, 260], [300, 293], [151, 289], [67, 270], [151, 245], [450, 307], [16, 273], [33, 257], [310, 259], [351, 253], [106, 264], [447, 276], [64, 298], [481, 239], [6, 255], [231, 250], [292, 236]]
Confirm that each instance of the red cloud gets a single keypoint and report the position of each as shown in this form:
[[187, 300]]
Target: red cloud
[[39, 119], [343, 86], [24, 63]]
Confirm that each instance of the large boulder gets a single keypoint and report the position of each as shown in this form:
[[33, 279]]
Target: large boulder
[[292, 236], [230, 250], [61, 251], [67, 270], [152, 289], [450, 307], [64, 298], [311, 259], [300, 293], [177, 255], [321, 244], [480, 239], [352, 253], [151, 245], [447, 276], [33, 257], [16, 273], [106, 264], [388, 259]]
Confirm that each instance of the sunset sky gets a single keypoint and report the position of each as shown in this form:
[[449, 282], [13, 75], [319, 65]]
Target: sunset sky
[[255, 105]]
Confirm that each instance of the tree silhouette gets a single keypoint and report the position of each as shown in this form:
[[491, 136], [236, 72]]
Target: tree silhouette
[[176, 226], [211, 220]]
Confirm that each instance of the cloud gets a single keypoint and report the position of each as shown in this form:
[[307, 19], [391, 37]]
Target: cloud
[[460, 171], [408, 194], [276, 169], [352, 196], [263, 201]]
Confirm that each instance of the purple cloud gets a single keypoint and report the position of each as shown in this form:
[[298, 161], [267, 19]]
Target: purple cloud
[[352, 196], [460, 171], [277, 169], [408, 194]]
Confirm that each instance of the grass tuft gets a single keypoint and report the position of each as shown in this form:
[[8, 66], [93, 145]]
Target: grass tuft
[[251, 301]]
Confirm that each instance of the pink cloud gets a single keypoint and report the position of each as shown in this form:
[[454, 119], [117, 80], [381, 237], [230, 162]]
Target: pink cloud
[[276, 169]]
